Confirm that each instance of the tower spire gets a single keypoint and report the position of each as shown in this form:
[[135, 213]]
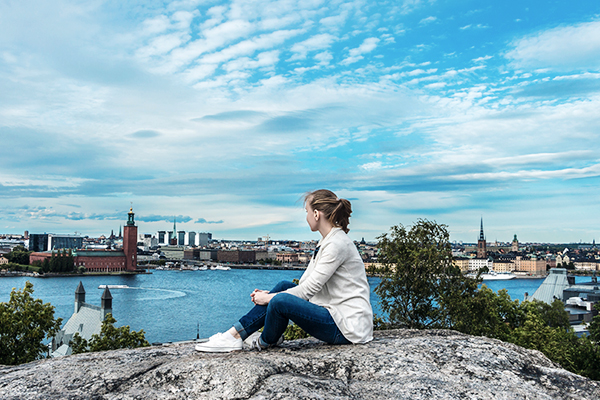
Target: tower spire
[[481, 236]]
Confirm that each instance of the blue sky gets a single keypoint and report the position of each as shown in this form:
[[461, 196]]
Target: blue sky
[[225, 113]]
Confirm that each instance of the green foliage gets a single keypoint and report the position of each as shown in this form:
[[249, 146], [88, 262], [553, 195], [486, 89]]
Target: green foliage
[[110, 338], [61, 261], [19, 255], [293, 331], [24, 323], [416, 267], [420, 288], [594, 327]]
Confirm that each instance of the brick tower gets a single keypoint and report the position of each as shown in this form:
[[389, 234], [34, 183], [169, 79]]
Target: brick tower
[[130, 242], [481, 243]]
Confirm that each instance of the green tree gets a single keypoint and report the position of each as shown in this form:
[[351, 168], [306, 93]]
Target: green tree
[[24, 323], [416, 267], [110, 338], [594, 327], [19, 255]]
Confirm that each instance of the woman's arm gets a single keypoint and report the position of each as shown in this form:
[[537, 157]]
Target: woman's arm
[[330, 258]]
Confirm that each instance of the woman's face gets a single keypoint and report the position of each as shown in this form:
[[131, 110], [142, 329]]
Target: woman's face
[[312, 216]]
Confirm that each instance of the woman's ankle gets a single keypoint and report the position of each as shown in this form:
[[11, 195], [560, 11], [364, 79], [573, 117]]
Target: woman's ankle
[[234, 333]]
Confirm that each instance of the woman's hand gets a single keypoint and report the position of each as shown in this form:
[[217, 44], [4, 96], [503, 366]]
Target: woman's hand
[[261, 297]]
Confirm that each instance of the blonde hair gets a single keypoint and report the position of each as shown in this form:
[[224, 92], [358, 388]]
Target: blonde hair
[[336, 210]]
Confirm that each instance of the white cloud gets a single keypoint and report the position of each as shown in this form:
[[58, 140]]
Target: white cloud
[[317, 42], [367, 46], [564, 48], [427, 20], [480, 59]]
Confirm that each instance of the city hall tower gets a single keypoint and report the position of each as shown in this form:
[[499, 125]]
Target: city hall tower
[[130, 242]]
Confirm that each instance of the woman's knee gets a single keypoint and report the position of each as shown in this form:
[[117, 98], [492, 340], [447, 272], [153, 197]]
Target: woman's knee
[[279, 303]]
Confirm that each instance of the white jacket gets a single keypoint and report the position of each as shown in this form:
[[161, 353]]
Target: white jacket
[[335, 279]]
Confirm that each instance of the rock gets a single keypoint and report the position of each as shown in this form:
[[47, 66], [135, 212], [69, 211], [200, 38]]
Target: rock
[[401, 364]]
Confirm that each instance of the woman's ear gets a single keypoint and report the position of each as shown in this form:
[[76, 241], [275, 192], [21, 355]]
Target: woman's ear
[[316, 215]]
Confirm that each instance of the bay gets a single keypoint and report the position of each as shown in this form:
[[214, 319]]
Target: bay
[[177, 305]]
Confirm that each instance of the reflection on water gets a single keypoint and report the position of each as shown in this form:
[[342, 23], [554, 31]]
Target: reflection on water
[[168, 305]]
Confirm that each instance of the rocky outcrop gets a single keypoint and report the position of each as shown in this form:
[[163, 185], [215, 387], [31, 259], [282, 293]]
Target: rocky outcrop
[[402, 364]]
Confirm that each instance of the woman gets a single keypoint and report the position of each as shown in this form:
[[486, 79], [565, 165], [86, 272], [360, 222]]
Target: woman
[[331, 302]]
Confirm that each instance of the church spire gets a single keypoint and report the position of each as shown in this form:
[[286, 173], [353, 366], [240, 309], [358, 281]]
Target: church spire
[[481, 236]]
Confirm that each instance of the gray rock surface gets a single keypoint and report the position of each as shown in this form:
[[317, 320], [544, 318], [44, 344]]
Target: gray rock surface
[[401, 364]]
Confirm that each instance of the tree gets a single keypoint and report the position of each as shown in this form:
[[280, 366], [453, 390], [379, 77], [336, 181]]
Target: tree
[[416, 269], [110, 338], [24, 323], [19, 255], [594, 327]]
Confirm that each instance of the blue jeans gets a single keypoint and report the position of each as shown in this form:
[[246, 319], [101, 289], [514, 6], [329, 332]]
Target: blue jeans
[[313, 319]]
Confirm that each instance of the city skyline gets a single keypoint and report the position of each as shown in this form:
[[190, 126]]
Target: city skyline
[[224, 114]]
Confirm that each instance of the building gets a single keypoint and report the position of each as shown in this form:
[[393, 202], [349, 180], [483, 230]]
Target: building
[[86, 321], [288, 257], [515, 244], [579, 298], [204, 238], [191, 239], [3, 260], [191, 254], [104, 260], [50, 241], [504, 265], [236, 256], [481, 243], [475, 264], [462, 263], [532, 265], [181, 238], [172, 252]]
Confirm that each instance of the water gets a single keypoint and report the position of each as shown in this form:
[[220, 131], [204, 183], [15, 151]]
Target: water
[[169, 305]]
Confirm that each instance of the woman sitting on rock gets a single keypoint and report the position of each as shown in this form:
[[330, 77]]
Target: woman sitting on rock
[[331, 302]]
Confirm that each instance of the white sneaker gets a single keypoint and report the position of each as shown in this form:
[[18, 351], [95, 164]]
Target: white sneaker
[[220, 343], [258, 346]]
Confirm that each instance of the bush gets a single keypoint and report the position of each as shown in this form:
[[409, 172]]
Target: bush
[[24, 323], [110, 338]]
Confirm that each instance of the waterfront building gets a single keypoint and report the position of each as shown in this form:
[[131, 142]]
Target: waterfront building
[[104, 260], [161, 235], [191, 254], [587, 264], [181, 238], [462, 263], [208, 254], [236, 256], [502, 265], [288, 257], [86, 321], [475, 264], [531, 265], [3, 260], [173, 252]]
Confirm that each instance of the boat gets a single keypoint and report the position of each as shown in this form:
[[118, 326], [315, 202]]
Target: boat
[[113, 287], [220, 268], [495, 276], [203, 268]]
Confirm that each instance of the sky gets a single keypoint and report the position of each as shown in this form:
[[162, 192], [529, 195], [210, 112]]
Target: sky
[[223, 114]]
